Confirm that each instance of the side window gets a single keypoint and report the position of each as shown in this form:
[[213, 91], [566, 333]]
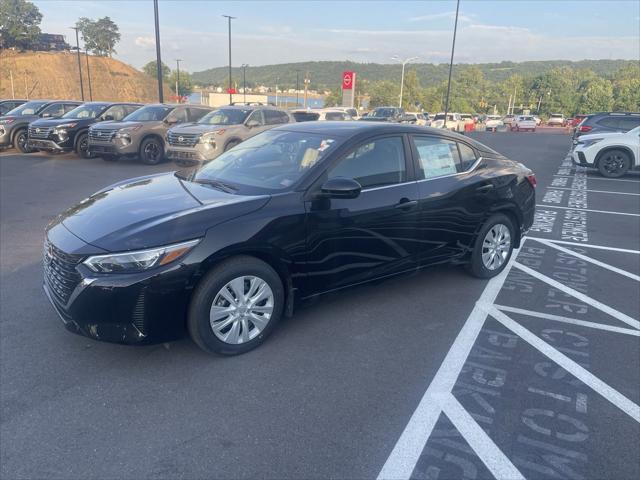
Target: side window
[[69, 106], [437, 157], [334, 116], [374, 164], [117, 112], [274, 117], [611, 122], [467, 156], [629, 123], [180, 114], [131, 108], [54, 110], [196, 114], [256, 116]]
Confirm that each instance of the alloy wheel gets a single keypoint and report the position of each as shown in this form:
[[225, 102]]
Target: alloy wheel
[[152, 151], [613, 163], [496, 246], [241, 310]]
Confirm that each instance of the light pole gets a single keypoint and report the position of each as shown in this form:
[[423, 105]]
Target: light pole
[[86, 55], [244, 81], [453, 47], [178, 60], [79, 62], [228, 17], [403, 62], [297, 85], [158, 59]]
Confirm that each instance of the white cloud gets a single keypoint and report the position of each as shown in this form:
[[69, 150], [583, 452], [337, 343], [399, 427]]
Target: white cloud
[[439, 16], [145, 42]]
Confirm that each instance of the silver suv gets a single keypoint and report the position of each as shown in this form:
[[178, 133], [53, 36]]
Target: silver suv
[[141, 133], [219, 131]]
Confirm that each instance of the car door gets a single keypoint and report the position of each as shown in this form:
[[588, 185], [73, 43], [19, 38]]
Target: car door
[[53, 111], [453, 199], [258, 116], [354, 240]]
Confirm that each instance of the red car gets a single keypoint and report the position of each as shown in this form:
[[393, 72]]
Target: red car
[[572, 122]]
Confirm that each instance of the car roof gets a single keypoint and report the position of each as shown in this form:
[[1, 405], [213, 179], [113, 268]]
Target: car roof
[[347, 129]]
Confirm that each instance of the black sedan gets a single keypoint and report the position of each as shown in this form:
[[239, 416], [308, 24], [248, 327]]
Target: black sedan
[[224, 250]]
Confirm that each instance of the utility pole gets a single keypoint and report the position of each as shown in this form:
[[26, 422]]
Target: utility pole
[[158, 59], [86, 55], [453, 47], [13, 92], [79, 62], [230, 81], [277, 91], [244, 81], [297, 86], [307, 81], [178, 60]]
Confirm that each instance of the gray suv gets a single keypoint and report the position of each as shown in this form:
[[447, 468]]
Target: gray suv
[[14, 125], [141, 133], [220, 130]]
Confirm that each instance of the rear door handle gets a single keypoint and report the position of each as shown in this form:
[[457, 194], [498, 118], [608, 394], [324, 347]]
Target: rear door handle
[[485, 188], [406, 204]]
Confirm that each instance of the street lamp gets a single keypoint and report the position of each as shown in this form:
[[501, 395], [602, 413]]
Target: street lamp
[[297, 85], [158, 59], [79, 62], [453, 47], [244, 81], [403, 62], [86, 56], [178, 60], [230, 80]]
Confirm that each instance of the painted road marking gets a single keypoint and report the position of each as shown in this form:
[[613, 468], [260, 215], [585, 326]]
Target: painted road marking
[[586, 377], [573, 321], [595, 191], [601, 178], [589, 210], [633, 276], [409, 447], [494, 459], [587, 245], [580, 296]]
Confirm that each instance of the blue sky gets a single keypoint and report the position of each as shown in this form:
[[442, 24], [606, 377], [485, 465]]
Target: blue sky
[[267, 32]]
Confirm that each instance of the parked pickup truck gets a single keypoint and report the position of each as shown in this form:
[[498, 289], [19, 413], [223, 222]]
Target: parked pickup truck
[[70, 132]]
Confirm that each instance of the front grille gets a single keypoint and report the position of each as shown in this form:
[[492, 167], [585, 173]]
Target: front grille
[[102, 149], [40, 132], [60, 272], [101, 134], [183, 139]]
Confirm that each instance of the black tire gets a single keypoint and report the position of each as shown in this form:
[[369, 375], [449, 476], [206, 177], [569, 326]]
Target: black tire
[[151, 151], [82, 146], [20, 141], [614, 163], [110, 158], [205, 293], [477, 266], [231, 144]]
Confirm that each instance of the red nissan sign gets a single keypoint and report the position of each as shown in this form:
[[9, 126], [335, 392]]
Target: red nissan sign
[[348, 79]]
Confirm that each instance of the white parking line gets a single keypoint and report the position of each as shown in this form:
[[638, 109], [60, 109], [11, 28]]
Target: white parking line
[[633, 276], [601, 178], [496, 461], [588, 245], [589, 210], [580, 296], [573, 321], [405, 454], [586, 377], [593, 191]]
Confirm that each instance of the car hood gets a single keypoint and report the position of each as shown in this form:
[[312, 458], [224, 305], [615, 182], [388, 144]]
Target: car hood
[[53, 122], [118, 125], [200, 128], [152, 211]]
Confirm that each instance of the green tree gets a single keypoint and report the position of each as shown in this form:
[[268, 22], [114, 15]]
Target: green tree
[[334, 98], [151, 69], [384, 93], [19, 24], [413, 93], [596, 95], [626, 89], [185, 83], [100, 36]]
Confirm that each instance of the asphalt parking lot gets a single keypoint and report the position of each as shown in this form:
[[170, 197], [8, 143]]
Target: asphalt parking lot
[[533, 374]]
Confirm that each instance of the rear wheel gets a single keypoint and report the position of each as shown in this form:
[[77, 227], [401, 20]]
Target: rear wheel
[[493, 247], [614, 163], [235, 306], [231, 144], [20, 141], [151, 151]]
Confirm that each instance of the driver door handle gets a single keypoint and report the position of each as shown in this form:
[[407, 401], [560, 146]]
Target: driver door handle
[[406, 204]]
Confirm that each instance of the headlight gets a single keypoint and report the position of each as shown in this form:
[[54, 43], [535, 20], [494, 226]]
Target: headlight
[[126, 132], [588, 143], [65, 125], [129, 262], [208, 141]]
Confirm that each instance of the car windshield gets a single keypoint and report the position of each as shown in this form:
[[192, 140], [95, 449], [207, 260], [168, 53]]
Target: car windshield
[[440, 116], [383, 112], [86, 111], [493, 117], [466, 117], [226, 116], [29, 108], [556, 115], [149, 114], [306, 116], [272, 160], [527, 119]]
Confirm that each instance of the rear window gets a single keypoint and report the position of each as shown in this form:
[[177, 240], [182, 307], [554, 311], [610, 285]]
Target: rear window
[[556, 115], [306, 116], [334, 116]]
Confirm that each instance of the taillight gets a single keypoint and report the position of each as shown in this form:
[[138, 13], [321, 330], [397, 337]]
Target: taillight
[[532, 180], [585, 128]]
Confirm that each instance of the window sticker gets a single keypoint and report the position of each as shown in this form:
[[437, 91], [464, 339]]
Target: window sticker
[[436, 160]]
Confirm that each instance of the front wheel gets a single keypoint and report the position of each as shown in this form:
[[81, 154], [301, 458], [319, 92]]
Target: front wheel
[[151, 151], [231, 144], [614, 163], [82, 146], [493, 247], [20, 141], [236, 306]]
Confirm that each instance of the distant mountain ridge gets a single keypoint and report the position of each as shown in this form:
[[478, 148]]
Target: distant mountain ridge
[[328, 74]]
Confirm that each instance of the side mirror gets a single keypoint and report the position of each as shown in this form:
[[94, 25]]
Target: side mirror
[[46, 115], [252, 123], [171, 120], [341, 187], [108, 117]]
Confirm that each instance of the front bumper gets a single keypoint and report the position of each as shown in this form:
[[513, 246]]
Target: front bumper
[[114, 147], [187, 157], [43, 144], [579, 158], [139, 308], [5, 136]]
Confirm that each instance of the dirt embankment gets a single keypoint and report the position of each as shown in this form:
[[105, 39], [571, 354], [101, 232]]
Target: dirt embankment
[[55, 75]]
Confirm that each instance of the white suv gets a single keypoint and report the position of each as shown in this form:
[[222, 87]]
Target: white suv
[[524, 123], [556, 119], [613, 154]]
